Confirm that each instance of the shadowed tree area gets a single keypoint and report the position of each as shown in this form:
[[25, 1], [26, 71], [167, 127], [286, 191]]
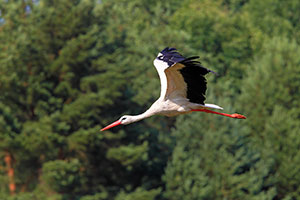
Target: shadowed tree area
[[68, 68]]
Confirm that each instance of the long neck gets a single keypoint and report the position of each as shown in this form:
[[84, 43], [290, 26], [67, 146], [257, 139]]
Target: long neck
[[144, 115]]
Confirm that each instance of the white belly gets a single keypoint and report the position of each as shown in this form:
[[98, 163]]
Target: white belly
[[173, 107]]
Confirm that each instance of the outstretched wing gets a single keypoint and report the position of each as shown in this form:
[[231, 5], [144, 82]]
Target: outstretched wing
[[181, 77]]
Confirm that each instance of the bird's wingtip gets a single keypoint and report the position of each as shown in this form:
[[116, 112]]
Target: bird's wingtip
[[168, 49], [213, 72]]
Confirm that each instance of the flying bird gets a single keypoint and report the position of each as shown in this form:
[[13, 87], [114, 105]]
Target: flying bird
[[183, 87]]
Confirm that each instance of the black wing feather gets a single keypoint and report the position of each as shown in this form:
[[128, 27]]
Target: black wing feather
[[193, 74]]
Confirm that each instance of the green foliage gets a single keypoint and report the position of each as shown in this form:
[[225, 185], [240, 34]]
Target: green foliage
[[61, 175], [140, 194], [215, 161], [275, 122], [98, 196], [273, 79], [128, 155], [248, 160], [68, 68], [33, 196]]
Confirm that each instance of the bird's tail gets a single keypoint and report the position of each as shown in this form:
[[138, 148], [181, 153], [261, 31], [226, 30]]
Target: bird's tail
[[207, 105]]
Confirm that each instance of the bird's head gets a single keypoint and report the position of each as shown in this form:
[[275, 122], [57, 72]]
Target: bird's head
[[124, 120], [160, 61]]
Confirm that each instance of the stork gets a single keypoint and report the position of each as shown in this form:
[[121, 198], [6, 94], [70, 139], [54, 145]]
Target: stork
[[183, 87]]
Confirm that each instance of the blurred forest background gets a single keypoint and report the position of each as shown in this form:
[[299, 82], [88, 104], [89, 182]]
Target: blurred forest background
[[68, 68]]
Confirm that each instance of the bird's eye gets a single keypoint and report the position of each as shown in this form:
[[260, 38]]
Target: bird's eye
[[124, 118]]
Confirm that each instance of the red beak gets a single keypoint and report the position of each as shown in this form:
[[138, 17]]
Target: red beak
[[116, 123]]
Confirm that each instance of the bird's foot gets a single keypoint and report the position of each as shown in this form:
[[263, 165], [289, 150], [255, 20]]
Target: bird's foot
[[238, 116]]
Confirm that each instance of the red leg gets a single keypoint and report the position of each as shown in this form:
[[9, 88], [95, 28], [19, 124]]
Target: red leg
[[235, 115]]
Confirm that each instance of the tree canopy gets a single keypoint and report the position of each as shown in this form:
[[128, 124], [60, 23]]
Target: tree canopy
[[68, 68]]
